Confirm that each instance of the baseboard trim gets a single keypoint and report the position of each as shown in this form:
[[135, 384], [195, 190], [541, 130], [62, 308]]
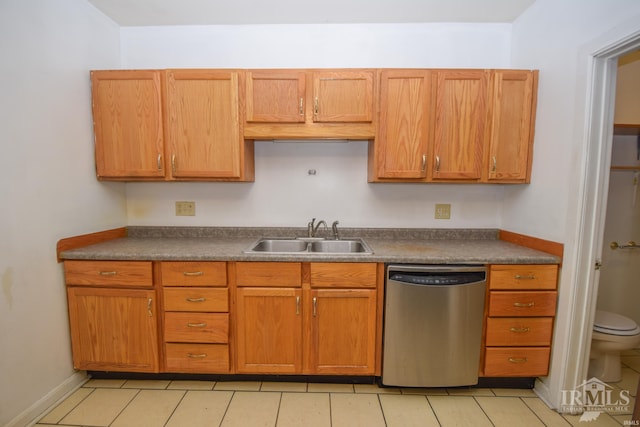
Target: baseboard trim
[[31, 415]]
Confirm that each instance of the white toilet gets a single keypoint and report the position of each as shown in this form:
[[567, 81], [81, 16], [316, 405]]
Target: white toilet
[[612, 333]]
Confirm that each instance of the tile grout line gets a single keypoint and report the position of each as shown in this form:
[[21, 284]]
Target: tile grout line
[[176, 407], [125, 407]]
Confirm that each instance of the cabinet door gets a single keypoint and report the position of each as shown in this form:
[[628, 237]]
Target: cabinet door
[[269, 330], [343, 96], [343, 331], [127, 122], [113, 329], [275, 96], [403, 132], [509, 154], [203, 124], [460, 116]]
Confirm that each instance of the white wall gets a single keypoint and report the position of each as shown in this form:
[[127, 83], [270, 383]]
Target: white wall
[[284, 194], [47, 187], [618, 289], [560, 38]]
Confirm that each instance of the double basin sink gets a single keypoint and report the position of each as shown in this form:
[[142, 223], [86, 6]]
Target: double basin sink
[[310, 246]]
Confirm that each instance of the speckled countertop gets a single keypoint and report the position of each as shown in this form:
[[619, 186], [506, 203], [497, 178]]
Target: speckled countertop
[[422, 246]]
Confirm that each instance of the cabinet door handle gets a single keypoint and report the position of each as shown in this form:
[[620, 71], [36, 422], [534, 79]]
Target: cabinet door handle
[[196, 325], [108, 273], [297, 306], [149, 306], [159, 162], [192, 273], [315, 107], [173, 163], [197, 356], [423, 168], [437, 163], [527, 277], [494, 166], [315, 306], [201, 299], [518, 359], [519, 330], [301, 107], [524, 304]]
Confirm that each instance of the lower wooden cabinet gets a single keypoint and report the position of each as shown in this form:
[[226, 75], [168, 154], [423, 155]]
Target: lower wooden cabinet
[[326, 324], [343, 331], [113, 329], [519, 324], [269, 330], [196, 317]]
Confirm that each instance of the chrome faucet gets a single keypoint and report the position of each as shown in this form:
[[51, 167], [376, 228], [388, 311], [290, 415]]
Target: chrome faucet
[[312, 228], [334, 228]]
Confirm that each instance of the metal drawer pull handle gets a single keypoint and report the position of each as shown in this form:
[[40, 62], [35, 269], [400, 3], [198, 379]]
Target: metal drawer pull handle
[[495, 164], [301, 109], [315, 107], [197, 325], [520, 330], [201, 299], [524, 304], [192, 273], [149, 306], [529, 277], [315, 306], [423, 168], [437, 163], [197, 356], [297, 306], [108, 273], [518, 359], [159, 161]]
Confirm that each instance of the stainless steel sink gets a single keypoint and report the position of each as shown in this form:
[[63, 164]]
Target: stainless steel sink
[[279, 245], [340, 246], [314, 246]]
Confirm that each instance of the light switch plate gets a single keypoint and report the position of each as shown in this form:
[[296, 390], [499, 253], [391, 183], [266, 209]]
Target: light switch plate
[[185, 208], [443, 211]]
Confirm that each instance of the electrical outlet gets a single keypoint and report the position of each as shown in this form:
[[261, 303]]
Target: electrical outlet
[[443, 211], [185, 208]]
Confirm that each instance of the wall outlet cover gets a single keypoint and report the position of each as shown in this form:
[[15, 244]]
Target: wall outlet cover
[[443, 211], [185, 208]]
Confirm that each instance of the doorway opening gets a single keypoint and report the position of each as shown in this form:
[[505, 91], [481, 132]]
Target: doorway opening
[[594, 203]]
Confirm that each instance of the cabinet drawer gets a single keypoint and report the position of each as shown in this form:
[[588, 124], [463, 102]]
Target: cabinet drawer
[[277, 274], [343, 275], [194, 273], [196, 327], [519, 331], [109, 273], [515, 304], [523, 277], [197, 358], [196, 299], [516, 361]]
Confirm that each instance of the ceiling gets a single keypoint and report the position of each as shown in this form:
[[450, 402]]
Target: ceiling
[[244, 12]]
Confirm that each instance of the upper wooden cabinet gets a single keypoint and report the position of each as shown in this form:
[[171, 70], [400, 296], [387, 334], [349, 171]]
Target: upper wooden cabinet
[[275, 96], [454, 126], [343, 96], [296, 104], [127, 122], [510, 143], [460, 116], [401, 145], [627, 110], [204, 137], [169, 125]]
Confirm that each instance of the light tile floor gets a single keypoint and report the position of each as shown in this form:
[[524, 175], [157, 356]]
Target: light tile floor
[[142, 403]]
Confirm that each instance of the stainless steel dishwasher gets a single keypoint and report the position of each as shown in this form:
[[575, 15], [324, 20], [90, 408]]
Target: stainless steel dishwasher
[[433, 325]]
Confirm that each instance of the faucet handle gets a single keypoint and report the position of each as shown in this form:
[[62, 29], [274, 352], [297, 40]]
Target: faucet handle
[[334, 228]]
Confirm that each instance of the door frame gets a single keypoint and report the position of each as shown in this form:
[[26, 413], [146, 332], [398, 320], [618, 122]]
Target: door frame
[[593, 194]]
